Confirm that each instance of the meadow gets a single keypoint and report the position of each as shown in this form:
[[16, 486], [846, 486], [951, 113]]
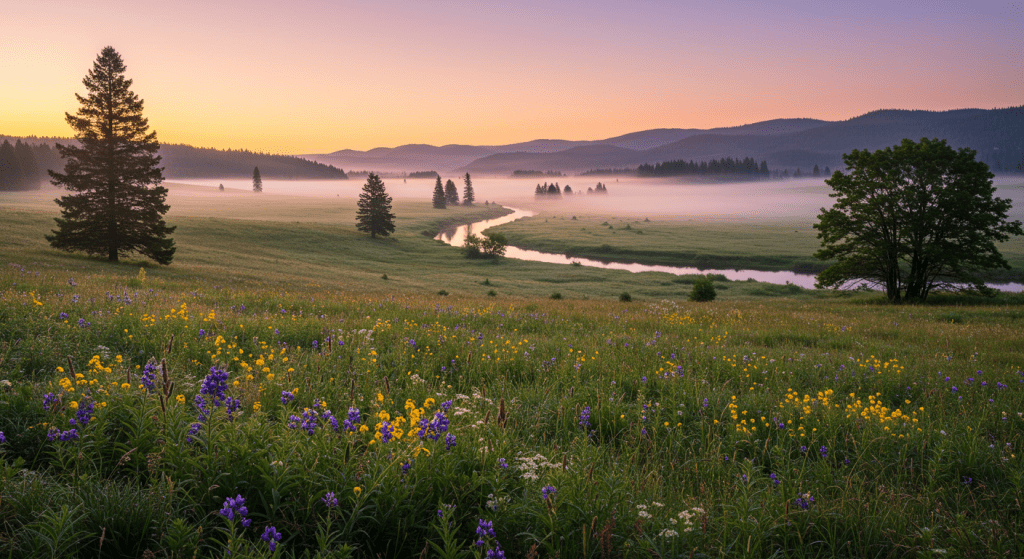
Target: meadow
[[370, 417]]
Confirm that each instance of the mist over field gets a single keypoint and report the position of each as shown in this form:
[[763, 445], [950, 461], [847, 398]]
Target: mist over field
[[788, 200]]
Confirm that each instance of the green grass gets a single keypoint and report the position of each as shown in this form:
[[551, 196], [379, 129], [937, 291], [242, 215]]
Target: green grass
[[676, 392]]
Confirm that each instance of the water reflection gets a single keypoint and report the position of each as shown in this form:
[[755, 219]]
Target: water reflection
[[457, 237]]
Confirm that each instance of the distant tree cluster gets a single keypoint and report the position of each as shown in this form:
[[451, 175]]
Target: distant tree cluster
[[423, 174], [599, 189], [186, 161], [628, 171], [522, 174], [24, 166], [739, 169], [448, 194], [553, 190]]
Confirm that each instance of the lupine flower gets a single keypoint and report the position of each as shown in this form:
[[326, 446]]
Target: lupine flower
[[803, 450], [775, 480], [330, 500], [502, 463], [386, 432], [585, 418], [824, 451], [445, 406], [484, 528], [3, 439], [48, 401], [449, 441], [286, 396], [548, 491], [271, 536], [967, 480], [352, 421], [149, 376]]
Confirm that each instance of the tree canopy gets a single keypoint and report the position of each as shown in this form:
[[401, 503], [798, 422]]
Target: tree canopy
[[374, 214], [257, 180], [451, 194], [913, 219], [114, 211]]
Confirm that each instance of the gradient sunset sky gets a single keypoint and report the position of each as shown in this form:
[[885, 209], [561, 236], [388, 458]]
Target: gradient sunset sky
[[318, 76]]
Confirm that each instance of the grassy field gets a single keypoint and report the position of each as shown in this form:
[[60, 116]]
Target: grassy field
[[755, 243], [810, 425]]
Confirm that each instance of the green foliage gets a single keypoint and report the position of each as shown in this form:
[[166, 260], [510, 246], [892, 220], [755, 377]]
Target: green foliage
[[912, 219], [114, 211], [451, 194], [468, 196], [374, 214], [490, 245], [703, 290], [439, 200], [625, 297]]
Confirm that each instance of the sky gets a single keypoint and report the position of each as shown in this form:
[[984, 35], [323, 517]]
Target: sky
[[316, 76]]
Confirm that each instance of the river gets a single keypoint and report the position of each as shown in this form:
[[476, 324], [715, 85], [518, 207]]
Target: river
[[457, 237]]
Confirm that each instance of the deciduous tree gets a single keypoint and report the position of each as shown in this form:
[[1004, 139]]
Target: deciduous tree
[[118, 204], [913, 219]]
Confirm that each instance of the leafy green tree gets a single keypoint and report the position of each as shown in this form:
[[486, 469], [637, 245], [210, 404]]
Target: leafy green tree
[[468, 197], [451, 194], [257, 180], [114, 211], [912, 219], [703, 290], [374, 214], [489, 245], [439, 199]]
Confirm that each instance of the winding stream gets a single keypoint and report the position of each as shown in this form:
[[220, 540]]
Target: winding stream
[[457, 237]]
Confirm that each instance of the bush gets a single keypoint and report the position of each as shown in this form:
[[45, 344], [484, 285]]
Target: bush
[[443, 293], [492, 293], [556, 295], [625, 297], [491, 245], [703, 290]]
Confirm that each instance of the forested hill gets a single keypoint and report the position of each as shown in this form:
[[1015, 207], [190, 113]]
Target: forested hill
[[186, 162]]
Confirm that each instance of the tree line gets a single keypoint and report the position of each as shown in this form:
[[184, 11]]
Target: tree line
[[448, 195], [553, 190], [746, 168], [24, 166]]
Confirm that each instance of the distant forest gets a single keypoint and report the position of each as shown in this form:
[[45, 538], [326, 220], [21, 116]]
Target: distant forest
[[179, 162], [23, 166], [746, 168], [423, 175], [521, 174]]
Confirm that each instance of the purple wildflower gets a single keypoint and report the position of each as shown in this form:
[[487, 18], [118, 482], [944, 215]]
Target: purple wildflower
[[449, 441], [271, 536], [502, 463], [824, 451], [330, 500], [233, 507], [548, 491], [148, 377], [585, 418], [286, 396]]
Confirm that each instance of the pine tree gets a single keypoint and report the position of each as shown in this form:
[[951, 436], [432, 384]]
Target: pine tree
[[816, 172], [257, 180], [10, 169], [451, 194], [114, 210], [374, 214], [29, 167], [468, 197], [439, 202]]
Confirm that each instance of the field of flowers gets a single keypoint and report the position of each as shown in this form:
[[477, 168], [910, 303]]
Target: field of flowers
[[144, 417]]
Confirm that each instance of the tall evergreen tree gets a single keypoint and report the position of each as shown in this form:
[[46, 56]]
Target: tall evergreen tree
[[468, 197], [374, 214], [29, 167], [816, 172], [257, 180], [439, 201], [451, 194], [11, 177], [114, 210]]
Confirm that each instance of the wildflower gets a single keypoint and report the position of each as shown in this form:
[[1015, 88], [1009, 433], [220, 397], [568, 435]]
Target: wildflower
[[824, 451], [954, 390], [666, 533], [449, 441], [271, 536], [49, 401], [584, 421], [805, 501], [287, 396], [502, 463], [775, 480], [233, 507], [149, 376], [967, 480], [386, 432], [3, 439], [352, 421], [180, 398], [357, 490], [548, 491], [330, 500], [803, 450]]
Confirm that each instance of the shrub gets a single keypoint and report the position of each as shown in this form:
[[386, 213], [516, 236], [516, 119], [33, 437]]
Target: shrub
[[703, 290], [443, 293], [625, 297], [492, 293], [491, 245], [556, 295]]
